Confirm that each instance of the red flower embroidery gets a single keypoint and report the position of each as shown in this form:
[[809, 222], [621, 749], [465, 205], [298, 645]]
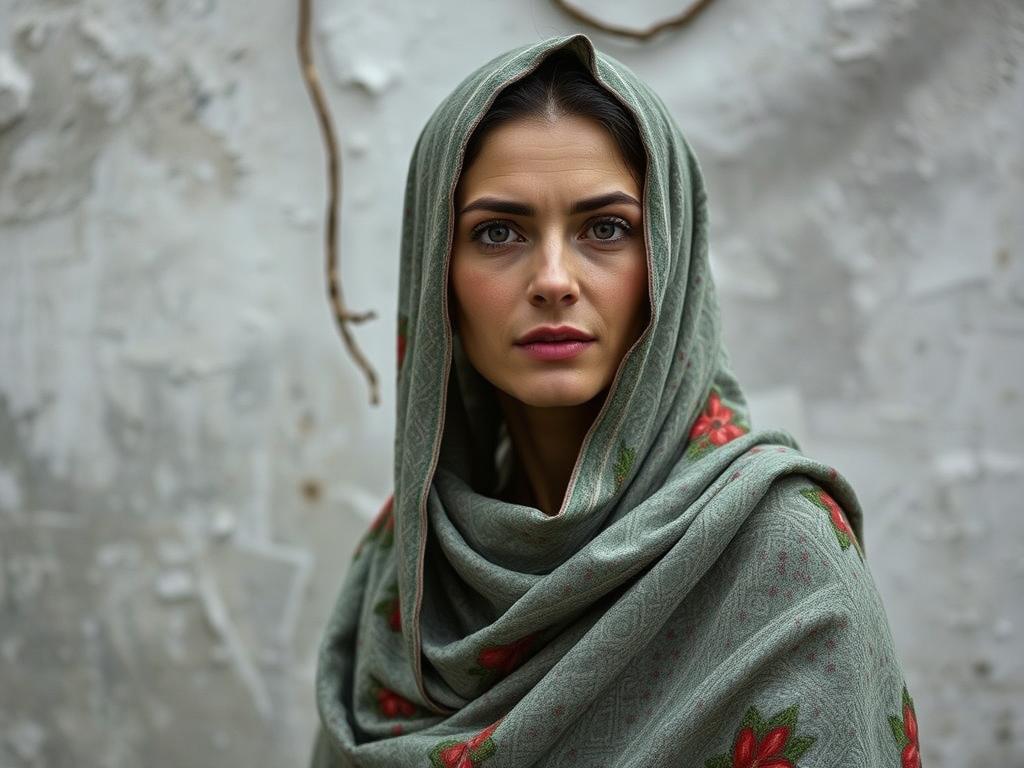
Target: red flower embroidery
[[748, 752], [714, 427], [465, 754], [765, 743], [505, 658], [838, 518], [905, 733], [395, 617], [716, 422], [911, 752], [390, 704], [843, 531]]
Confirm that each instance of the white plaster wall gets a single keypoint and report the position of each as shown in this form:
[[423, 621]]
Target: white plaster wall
[[186, 453]]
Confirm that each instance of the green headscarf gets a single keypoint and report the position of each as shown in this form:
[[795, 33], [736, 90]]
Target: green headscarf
[[700, 599]]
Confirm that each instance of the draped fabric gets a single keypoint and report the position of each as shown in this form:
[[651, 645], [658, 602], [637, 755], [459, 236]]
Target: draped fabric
[[700, 599]]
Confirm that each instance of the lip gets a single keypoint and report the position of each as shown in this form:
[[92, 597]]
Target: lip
[[555, 343], [552, 333]]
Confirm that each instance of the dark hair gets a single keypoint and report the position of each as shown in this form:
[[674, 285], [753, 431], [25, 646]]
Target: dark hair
[[562, 85]]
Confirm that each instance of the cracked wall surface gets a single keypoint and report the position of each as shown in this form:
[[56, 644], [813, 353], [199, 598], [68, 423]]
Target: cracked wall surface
[[186, 453]]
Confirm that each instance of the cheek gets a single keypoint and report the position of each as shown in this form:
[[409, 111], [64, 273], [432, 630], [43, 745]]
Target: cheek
[[623, 296], [484, 299]]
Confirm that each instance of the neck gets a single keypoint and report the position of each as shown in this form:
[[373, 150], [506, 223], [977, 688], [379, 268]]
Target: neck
[[547, 443]]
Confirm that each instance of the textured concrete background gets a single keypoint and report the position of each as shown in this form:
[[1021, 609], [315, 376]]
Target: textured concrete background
[[186, 453]]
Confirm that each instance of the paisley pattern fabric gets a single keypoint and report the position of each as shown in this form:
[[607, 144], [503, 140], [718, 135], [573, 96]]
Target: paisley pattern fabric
[[699, 599]]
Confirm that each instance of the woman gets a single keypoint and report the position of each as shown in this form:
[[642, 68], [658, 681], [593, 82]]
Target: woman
[[589, 557]]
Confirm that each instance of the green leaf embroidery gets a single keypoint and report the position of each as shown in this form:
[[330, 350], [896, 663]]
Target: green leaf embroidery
[[623, 464], [482, 752], [754, 721], [796, 747], [786, 717], [435, 754], [698, 447], [896, 724]]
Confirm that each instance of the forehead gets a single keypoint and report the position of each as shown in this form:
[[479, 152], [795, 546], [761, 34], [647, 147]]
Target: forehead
[[568, 152]]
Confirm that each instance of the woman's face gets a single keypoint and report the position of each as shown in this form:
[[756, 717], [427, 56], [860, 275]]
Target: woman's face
[[549, 238]]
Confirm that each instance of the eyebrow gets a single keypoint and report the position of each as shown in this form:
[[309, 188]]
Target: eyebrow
[[497, 205]]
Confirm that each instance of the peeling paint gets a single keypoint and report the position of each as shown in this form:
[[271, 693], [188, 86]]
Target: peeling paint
[[15, 90], [175, 585]]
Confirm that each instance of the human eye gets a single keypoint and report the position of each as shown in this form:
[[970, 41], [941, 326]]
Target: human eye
[[605, 227], [498, 234]]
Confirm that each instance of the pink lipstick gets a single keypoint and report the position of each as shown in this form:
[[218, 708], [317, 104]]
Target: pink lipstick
[[555, 342]]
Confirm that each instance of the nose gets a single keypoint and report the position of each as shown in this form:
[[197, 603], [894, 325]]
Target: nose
[[553, 282]]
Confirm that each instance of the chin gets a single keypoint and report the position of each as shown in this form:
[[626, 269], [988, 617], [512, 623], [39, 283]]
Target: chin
[[556, 392]]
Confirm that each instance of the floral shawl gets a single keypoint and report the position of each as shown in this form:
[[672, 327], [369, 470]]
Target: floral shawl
[[700, 599]]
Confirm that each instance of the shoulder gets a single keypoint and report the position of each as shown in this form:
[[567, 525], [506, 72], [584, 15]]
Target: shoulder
[[805, 578], [799, 508], [798, 541]]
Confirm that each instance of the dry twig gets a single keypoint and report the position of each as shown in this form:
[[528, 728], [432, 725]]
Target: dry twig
[[678, 20], [341, 314]]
